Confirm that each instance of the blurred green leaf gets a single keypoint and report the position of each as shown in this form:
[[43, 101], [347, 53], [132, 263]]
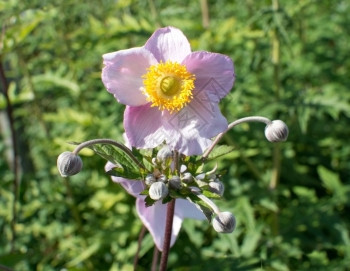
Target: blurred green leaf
[[330, 179]]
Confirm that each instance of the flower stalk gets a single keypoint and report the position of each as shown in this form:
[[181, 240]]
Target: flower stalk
[[139, 242], [107, 141], [169, 220], [230, 126], [16, 157], [167, 236], [206, 200]]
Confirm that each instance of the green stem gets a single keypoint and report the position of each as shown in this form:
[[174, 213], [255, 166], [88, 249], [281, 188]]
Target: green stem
[[139, 242], [154, 13], [205, 13], [111, 142], [276, 170], [208, 201], [276, 78], [16, 158], [276, 52], [277, 84], [169, 219], [230, 126], [155, 259]]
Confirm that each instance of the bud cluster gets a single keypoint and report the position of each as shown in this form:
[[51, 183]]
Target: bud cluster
[[210, 181]]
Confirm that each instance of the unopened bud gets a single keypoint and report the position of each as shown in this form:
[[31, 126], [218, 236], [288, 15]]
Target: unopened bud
[[225, 222], [150, 179], [158, 190], [195, 190], [69, 164], [175, 182], [217, 187], [276, 131], [187, 178], [162, 178], [165, 155], [200, 176]]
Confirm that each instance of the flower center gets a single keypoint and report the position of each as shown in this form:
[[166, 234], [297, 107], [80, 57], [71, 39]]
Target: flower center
[[168, 86]]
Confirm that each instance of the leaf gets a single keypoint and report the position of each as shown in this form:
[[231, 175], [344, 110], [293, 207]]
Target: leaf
[[125, 166], [125, 173], [87, 253], [149, 202], [330, 179], [219, 151], [145, 192], [211, 194], [57, 80], [167, 199], [269, 205]]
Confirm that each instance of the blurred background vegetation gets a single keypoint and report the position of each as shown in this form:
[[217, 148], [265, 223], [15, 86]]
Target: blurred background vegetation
[[292, 61]]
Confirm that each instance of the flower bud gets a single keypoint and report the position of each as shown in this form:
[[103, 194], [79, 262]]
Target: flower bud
[[175, 182], [187, 178], [165, 155], [69, 164], [162, 178], [195, 190], [225, 222], [276, 131], [217, 187], [150, 179], [158, 190], [200, 176]]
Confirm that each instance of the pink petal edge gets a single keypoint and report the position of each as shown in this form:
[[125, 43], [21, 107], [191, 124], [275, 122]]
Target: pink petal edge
[[168, 43], [214, 73], [122, 74]]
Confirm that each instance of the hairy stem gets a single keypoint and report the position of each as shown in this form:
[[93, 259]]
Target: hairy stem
[[155, 259], [167, 235], [208, 201], [230, 126], [15, 165], [111, 142], [169, 219]]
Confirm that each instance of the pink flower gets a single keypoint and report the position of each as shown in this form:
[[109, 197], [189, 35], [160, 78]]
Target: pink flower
[[171, 94], [154, 217]]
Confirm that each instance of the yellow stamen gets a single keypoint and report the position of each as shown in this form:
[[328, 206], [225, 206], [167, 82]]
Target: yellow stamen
[[168, 86]]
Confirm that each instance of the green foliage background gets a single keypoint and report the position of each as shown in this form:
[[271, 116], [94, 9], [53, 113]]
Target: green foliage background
[[292, 61]]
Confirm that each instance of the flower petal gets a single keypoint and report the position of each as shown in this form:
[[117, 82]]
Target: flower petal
[[143, 126], [168, 43], [186, 209], [133, 187], [214, 73], [122, 74], [189, 131], [154, 218]]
